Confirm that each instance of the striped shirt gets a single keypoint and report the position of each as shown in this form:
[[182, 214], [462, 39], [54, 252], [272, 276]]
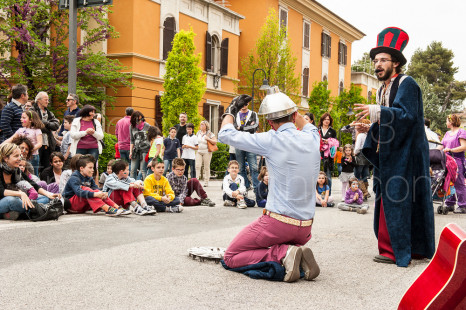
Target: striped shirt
[[10, 121]]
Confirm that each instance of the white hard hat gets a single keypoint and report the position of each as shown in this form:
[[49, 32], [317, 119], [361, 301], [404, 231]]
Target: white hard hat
[[276, 104]]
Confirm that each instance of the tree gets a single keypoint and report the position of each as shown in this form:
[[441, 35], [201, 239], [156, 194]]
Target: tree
[[184, 82], [432, 108], [436, 65], [34, 51], [273, 54], [363, 65], [319, 99]]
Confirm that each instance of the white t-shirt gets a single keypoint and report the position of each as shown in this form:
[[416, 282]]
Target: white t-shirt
[[191, 141]]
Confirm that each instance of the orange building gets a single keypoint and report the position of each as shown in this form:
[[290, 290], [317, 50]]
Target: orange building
[[320, 40], [368, 83], [147, 28]]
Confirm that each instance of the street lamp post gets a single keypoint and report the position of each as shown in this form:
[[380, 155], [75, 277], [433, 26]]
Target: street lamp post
[[349, 113], [265, 85]]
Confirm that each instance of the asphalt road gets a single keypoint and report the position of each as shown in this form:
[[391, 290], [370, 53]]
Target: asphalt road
[[96, 262]]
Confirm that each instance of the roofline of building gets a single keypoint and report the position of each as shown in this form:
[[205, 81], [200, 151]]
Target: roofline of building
[[329, 20], [223, 8], [361, 72]]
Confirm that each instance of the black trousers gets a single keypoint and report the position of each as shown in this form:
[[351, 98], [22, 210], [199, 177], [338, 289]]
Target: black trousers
[[44, 157]]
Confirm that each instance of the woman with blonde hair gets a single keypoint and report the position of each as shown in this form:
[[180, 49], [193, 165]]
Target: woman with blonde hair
[[203, 156], [13, 201]]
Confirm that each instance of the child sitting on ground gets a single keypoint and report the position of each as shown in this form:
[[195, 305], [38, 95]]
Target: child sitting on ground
[[347, 169], [354, 199], [234, 189], [323, 198], [126, 191], [27, 168], [184, 188], [157, 190], [66, 174], [26, 187], [104, 175], [263, 189], [84, 194]]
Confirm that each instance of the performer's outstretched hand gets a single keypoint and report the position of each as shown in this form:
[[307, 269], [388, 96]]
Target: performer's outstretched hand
[[236, 104]]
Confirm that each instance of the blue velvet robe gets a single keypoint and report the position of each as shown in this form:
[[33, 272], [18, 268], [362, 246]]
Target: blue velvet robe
[[401, 174]]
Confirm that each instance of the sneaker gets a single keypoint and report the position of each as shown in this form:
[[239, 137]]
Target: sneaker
[[114, 211], [150, 210], [362, 210], [12, 215], [206, 184], [139, 210], [126, 211], [241, 204], [207, 202], [175, 209], [228, 203]]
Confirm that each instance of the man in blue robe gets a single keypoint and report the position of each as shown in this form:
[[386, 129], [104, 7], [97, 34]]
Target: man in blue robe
[[397, 146]]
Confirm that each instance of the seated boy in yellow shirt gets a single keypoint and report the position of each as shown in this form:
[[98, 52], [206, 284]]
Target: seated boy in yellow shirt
[[157, 190]]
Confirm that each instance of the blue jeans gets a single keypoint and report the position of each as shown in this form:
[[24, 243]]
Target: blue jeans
[[190, 163], [10, 203], [42, 199], [93, 152], [361, 173], [251, 158], [139, 164], [168, 166], [124, 155], [249, 202], [35, 162], [161, 206], [339, 167]]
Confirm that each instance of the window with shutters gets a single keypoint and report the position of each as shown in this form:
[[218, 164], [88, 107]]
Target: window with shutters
[[341, 88], [224, 57], [168, 35], [326, 46], [342, 53], [284, 19], [212, 110], [369, 95], [306, 82], [158, 112], [215, 55], [306, 34]]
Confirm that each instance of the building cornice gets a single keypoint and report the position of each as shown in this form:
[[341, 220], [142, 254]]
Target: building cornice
[[326, 18]]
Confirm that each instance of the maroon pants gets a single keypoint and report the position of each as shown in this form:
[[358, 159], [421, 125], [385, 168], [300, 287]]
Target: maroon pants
[[194, 186], [385, 246], [123, 198], [81, 205]]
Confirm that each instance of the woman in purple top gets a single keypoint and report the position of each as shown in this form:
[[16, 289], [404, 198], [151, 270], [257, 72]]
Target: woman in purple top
[[454, 142]]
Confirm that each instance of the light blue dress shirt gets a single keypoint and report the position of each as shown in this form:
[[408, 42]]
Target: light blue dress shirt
[[293, 162]]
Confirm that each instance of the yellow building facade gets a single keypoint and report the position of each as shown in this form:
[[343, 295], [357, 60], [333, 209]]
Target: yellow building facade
[[320, 40]]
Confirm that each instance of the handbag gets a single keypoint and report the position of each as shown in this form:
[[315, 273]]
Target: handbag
[[212, 147], [361, 160], [45, 211]]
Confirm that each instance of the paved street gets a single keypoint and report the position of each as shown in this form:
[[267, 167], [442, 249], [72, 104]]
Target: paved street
[[96, 262]]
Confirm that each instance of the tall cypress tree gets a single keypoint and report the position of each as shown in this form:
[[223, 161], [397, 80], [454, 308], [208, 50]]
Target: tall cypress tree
[[184, 82]]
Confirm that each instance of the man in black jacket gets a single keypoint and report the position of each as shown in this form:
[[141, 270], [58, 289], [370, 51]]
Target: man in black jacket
[[51, 124], [248, 121]]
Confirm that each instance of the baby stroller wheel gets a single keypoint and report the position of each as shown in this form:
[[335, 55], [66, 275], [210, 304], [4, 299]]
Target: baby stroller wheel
[[439, 210], [445, 210]]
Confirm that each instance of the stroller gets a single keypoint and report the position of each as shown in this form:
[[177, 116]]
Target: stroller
[[443, 175]]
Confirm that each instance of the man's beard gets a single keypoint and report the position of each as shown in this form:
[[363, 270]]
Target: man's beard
[[386, 76]]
